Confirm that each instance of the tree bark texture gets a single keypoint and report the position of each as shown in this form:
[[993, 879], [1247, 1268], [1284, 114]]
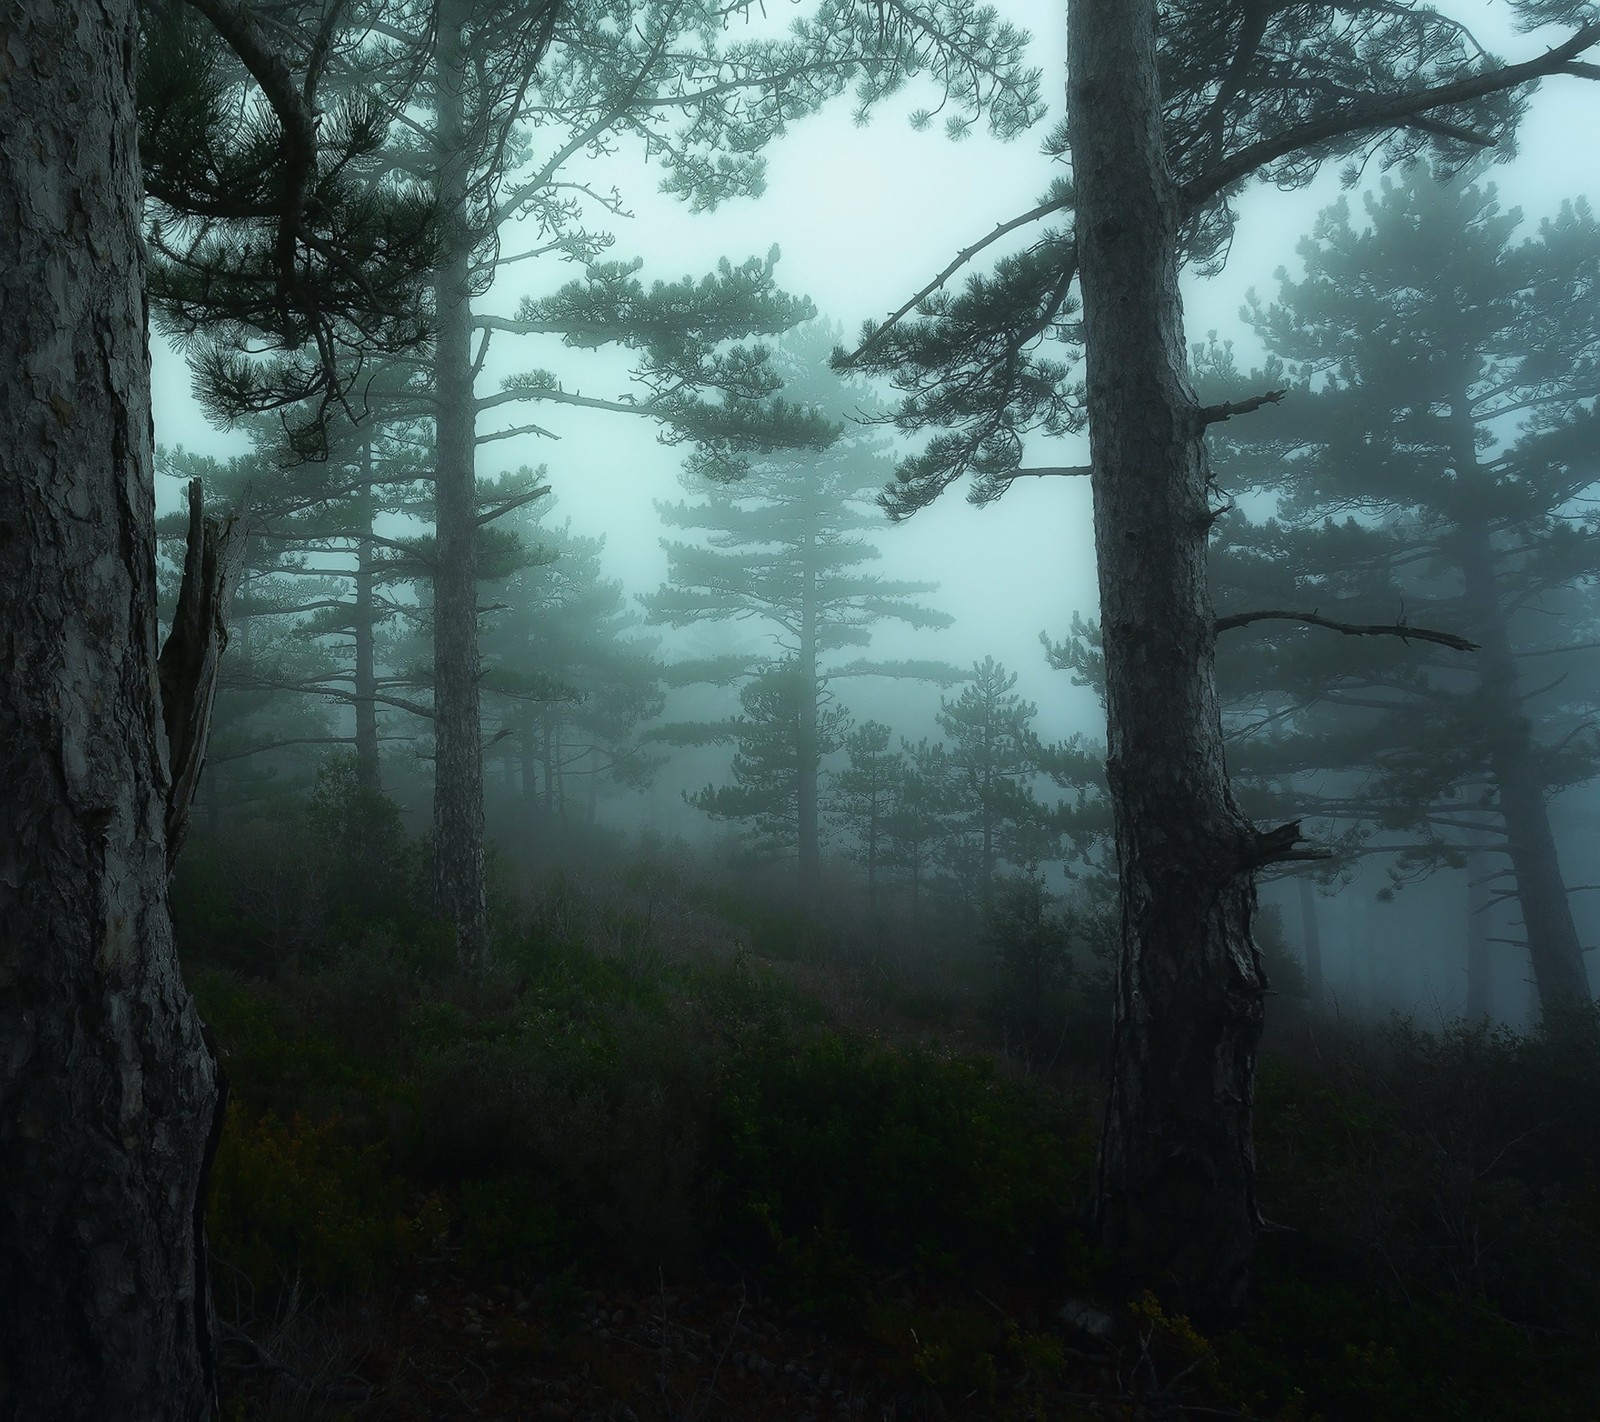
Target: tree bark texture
[[107, 1089], [1176, 1197], [459, 888], [1559, 972]]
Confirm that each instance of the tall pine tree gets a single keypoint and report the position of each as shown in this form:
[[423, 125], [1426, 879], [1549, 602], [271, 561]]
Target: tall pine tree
[[1171, 109], [1439, 462]]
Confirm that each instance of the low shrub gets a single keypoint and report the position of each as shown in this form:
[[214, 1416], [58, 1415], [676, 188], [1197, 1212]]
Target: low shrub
[[835, 1153], [292, 1200]]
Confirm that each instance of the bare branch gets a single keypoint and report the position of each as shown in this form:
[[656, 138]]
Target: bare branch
[[965, 255], [1215, 414], [1048, 471], [1401, 630], [500, 510], [514, 431], [1279, 846]]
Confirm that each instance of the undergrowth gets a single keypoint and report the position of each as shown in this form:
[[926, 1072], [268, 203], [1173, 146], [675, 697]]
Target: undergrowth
[[617, 1093]]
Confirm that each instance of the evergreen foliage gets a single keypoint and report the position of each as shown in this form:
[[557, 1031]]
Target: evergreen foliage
[[568, 678], [993, 758], [788, 545], [1434, 469]]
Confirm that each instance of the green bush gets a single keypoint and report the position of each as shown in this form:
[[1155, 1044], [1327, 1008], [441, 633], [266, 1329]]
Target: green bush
[[1441, 1256], [838, 1153], [294, 1200]]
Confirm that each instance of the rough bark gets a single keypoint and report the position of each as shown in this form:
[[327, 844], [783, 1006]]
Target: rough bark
[[107, 1092], [1176, 1199], [1559, 972], [459, 889]]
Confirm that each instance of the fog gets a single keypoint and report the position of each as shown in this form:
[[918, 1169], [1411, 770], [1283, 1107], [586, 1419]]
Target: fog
[[863, 217]]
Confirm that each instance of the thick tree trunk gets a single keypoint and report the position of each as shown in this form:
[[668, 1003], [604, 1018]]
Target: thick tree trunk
[[365, 676], [1176, 1200], [1559, 972], [107, 1091], [458, 770]]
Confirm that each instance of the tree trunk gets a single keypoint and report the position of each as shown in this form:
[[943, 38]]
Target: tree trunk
[[458, 769], [1559, 972], [1310, 939], [107, 1090], [872, 857], [1176, 1200], [365, 675], [807, 752], [1479, 959]]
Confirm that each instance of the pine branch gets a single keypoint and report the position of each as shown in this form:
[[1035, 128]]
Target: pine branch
[[965, 255], [296, 113], [1350, 629], [1386, 112]]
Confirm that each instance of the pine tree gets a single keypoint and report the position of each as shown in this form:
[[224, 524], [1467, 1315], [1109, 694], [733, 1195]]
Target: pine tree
[[781, 726], [1166, 122], [865, 796], [1419, 346], [788, 544], [921, 821], [993, 759], [318, 587], [704, 107], [109, 1102], [567, 676]]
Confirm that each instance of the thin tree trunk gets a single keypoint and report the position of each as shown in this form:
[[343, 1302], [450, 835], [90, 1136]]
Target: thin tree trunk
[[458, 770], [1559, 972], [872, 857], [107, 1090], [1176, 1197], [365, 676], [527, 761], [1479, 959], [807, 752], [1310, 939]]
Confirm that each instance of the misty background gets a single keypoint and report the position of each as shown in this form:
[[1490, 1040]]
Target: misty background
[[864, 216]]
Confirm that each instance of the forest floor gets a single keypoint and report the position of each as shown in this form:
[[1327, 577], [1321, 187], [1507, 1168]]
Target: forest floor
[[702, 1350], [677, 1160]]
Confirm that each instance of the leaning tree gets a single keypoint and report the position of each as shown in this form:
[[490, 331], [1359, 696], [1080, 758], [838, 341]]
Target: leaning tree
[[1172, 108]]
